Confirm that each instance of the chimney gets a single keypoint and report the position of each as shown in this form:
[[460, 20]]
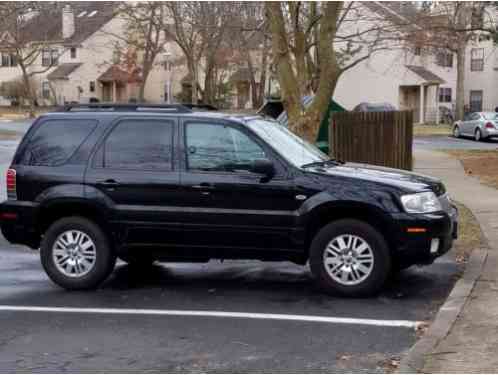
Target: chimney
[[67, 22]]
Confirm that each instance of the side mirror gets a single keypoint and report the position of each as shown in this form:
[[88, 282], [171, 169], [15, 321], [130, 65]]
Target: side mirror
[[264, 167]]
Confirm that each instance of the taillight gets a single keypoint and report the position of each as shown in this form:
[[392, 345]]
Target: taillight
[[11, 184], [490, 125]]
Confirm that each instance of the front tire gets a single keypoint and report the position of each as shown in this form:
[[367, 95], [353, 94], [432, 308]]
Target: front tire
[[76, 254], [478, 135], [351, 258]]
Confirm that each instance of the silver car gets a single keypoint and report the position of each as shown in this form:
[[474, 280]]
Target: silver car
[[479, 125]]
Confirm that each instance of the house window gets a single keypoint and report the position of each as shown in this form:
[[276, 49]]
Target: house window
[[477, 59], [54, 56], [8, 60], [92, 86], [73, 52], [46, 57], [445, 94], [444, 59], [50, 57], [476, 101], [46, 90], [417, 51]]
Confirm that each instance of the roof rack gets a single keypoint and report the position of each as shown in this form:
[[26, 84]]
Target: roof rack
[[125, 107]]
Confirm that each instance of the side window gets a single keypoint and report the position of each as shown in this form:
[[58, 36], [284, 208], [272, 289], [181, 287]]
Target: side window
[[220, 148], [139, 144], [55, 141]]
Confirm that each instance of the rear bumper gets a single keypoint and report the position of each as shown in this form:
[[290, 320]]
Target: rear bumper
[[423, 247], [18, 224]]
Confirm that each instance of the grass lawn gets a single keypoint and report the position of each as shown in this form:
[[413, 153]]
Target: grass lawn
[[470, 236], [479, 163], [9, 134], [423, 129]]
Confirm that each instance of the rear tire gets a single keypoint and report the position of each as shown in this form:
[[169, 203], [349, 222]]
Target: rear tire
[[76, 254], [456, 131], [340, 254]]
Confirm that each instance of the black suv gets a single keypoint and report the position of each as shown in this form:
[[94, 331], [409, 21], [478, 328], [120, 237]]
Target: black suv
[[90, 184]]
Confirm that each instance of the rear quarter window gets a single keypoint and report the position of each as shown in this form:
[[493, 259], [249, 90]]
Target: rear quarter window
[[55, 141]]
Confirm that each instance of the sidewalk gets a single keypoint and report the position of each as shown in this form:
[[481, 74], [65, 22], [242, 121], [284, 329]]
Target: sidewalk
[[472, 342]]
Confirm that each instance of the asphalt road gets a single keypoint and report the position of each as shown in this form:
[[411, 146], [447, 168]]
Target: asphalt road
[[131, 339], [449, 143]]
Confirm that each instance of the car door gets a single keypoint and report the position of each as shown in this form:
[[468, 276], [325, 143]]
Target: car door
[[135, 175], [227, 207], [464, 125]]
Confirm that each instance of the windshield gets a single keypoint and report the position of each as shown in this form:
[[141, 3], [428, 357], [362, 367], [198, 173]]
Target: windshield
[[294, 149]]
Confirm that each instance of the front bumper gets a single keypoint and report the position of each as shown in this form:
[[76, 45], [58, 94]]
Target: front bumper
[[415, 233]]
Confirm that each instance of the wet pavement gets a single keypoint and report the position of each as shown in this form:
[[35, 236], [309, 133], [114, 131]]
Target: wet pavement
[[452, 143]]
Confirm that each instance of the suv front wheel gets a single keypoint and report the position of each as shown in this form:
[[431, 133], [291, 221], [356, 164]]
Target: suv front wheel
[[76, 254], [350, 257]]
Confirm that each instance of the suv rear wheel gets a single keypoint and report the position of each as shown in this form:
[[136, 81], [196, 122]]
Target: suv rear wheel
[[350, 257], [76, 254]]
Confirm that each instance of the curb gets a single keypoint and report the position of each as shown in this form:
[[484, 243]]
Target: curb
[[414, 360]]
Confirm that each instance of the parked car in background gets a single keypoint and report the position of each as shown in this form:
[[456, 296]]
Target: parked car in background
[[374, 107], [478, 125]]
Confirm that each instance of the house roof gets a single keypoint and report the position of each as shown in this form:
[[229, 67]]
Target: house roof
[[425, 74], [63, 71], [89, 17], [116, 74]]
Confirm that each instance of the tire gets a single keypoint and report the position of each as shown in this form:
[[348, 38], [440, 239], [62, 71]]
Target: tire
[[367, 283], [456, 131], [91, 261], [137, 261], [478, 135]]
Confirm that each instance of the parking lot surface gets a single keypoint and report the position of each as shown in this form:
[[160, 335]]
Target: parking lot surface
[[244, 316]]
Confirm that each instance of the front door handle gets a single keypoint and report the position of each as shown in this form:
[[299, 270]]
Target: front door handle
[[203, 186], [109, 183]]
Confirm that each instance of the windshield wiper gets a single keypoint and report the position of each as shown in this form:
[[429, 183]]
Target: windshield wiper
[[322, 163]]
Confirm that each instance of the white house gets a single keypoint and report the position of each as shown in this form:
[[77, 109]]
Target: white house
[[407, 78]]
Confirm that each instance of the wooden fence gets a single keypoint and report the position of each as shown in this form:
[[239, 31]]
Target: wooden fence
[[380, 138]]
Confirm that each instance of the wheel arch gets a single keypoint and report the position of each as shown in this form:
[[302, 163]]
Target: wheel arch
[[332, 211]]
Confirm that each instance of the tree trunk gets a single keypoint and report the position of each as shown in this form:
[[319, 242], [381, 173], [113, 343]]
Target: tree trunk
[[193, 82], [29, 91], [460, 88], [210, 84]]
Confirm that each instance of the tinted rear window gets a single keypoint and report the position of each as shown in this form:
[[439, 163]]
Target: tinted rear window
[[55, 141], [142, 145]]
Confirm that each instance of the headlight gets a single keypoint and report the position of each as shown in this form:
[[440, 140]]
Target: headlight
[[421, 203]]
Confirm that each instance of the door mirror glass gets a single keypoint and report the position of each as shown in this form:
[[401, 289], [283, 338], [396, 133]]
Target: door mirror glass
[[263, 167]]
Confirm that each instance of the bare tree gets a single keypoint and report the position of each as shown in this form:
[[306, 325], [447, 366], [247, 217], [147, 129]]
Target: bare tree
[[314, 43], [143, 33], [451, 26], [187, 32], [23, 38]]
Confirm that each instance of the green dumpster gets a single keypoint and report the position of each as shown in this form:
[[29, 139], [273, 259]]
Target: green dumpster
[[275, 109]]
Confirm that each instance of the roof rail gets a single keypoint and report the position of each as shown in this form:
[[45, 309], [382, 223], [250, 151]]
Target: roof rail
[[125, 107]]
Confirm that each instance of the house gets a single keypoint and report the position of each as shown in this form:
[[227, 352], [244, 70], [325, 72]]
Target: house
[[481, 75], [83, 60], [410, 78]]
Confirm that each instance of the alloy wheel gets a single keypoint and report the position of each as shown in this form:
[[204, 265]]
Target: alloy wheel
[[74, 253], [348, 259]]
